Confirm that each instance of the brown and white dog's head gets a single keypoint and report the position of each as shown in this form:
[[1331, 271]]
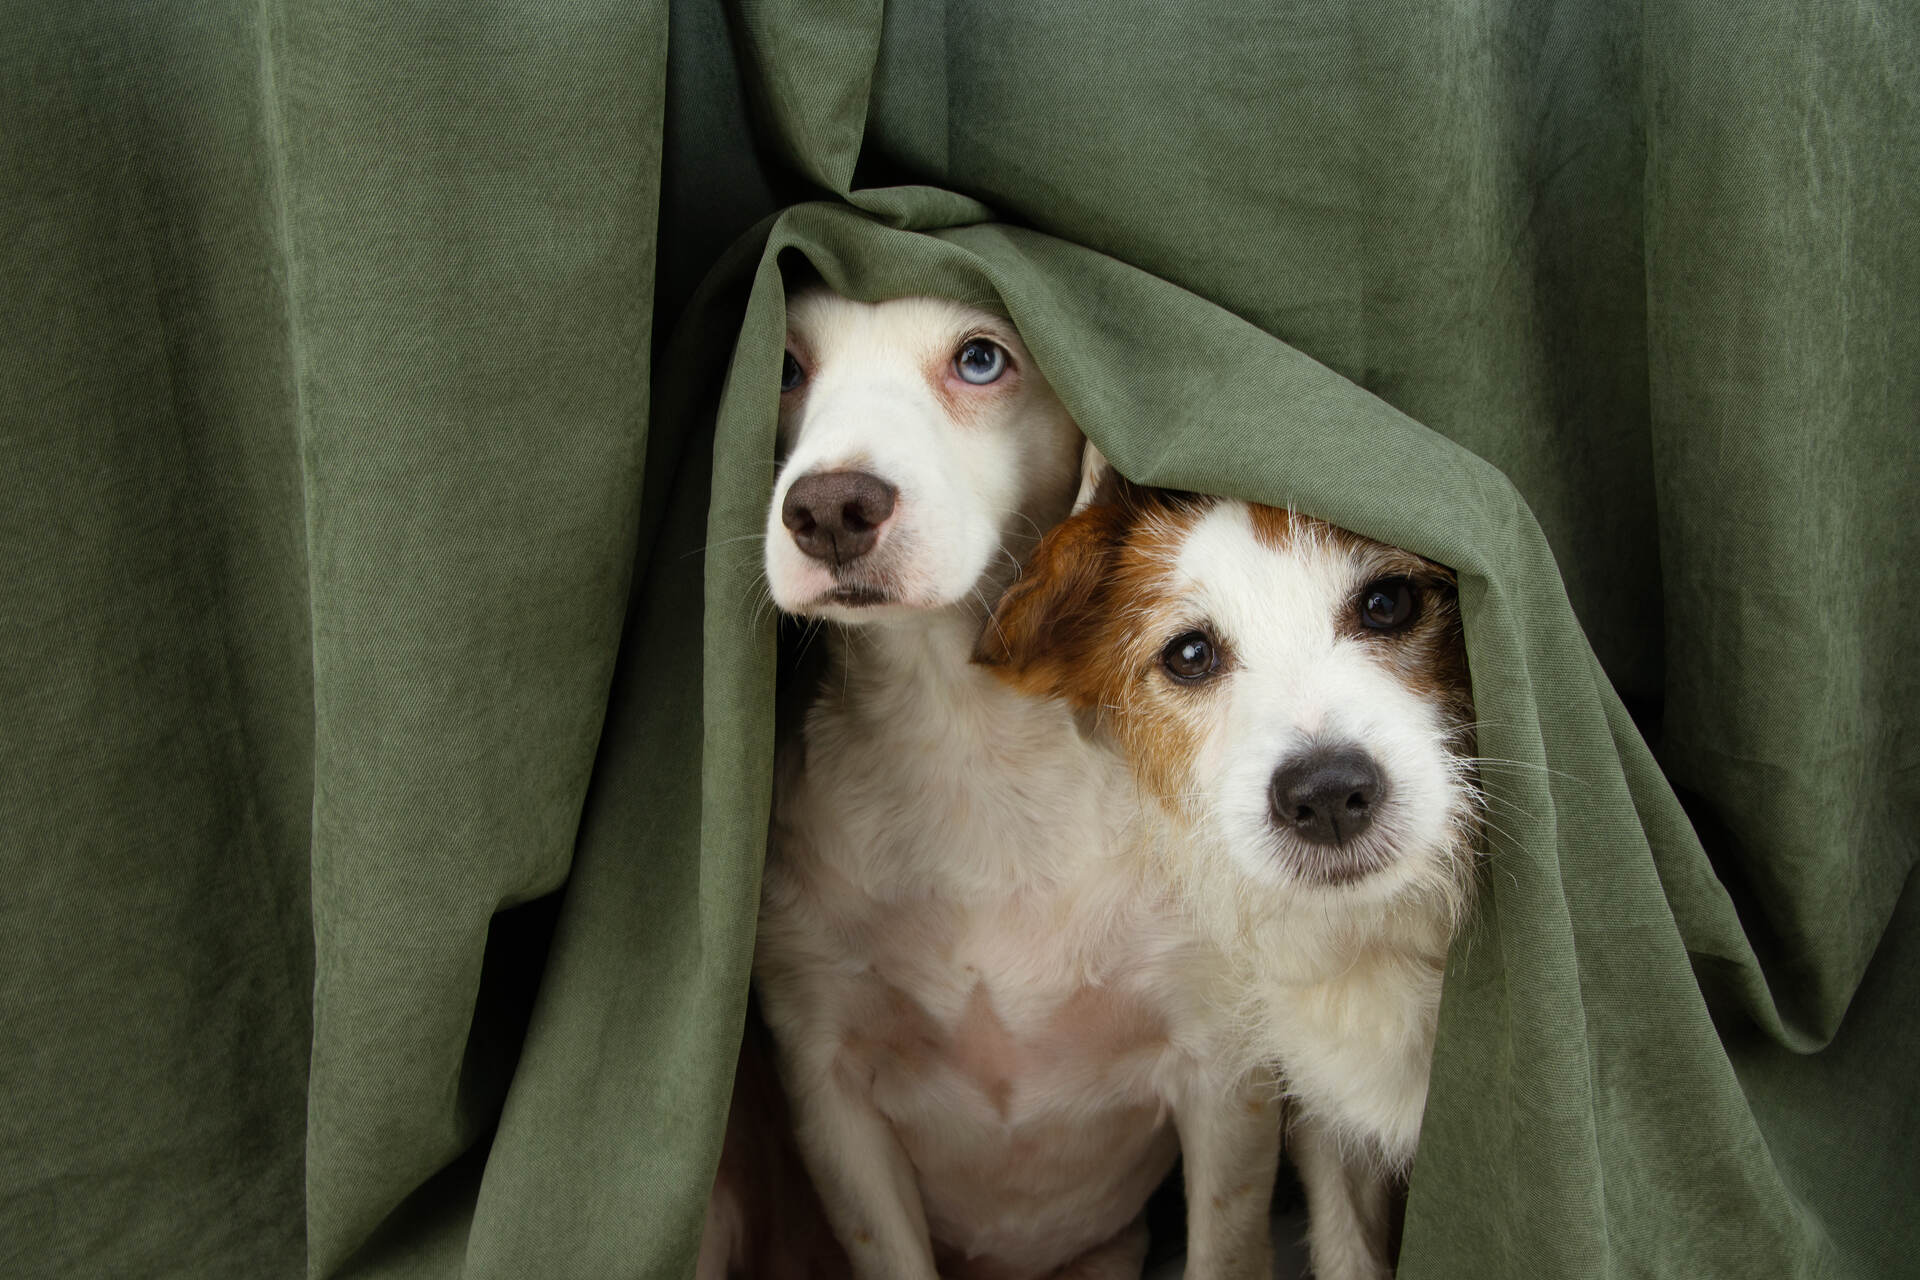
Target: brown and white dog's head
[[923, 452], [1297, 690]]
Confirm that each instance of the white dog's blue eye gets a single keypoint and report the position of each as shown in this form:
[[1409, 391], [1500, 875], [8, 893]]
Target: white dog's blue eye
[[980, 361], [791, 374]]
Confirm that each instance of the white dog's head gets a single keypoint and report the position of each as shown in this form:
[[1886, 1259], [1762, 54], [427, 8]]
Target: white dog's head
[[1295, 690], [923, 453]]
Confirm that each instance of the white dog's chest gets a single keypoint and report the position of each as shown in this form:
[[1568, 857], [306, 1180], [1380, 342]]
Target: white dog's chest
[[1013, 1078], [978, 951], [1001, 1019]]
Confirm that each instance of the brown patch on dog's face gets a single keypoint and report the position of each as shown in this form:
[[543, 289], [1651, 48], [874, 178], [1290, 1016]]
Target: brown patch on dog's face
[[1085, 623], [1217, 661], [1428, 654], [1046, 627], [1276, 527]]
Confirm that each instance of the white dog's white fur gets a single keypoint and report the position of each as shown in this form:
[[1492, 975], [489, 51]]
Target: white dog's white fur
[[988, 1010], [1339, 949]]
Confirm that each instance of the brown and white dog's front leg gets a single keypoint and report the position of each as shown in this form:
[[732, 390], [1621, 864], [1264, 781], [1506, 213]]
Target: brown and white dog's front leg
[[1348, 1198], [864, 1178], [1230, 1130]]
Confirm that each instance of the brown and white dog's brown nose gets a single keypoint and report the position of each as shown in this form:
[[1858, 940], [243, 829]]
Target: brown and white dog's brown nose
[[835, 516], [1326, 795]]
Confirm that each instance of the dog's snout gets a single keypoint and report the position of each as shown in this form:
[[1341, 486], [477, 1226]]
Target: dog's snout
[[835, 516], [1327, 795]]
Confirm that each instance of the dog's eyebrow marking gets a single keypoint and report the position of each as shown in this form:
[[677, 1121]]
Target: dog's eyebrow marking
[[1273, 527]]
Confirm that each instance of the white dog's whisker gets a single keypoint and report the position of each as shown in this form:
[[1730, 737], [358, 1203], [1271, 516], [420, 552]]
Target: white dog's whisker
[[962, 952], [718, 543]]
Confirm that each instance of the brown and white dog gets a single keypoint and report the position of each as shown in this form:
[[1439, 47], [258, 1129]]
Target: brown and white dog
[[1296, 697], [990, 1015]]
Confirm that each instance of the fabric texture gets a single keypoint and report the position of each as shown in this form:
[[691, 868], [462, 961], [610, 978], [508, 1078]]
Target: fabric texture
[[387, 711]]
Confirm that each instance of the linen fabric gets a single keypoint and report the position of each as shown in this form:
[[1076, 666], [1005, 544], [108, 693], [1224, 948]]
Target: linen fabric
[[386, 720]]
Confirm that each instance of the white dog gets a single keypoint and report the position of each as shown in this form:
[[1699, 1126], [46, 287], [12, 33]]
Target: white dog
[[986, 1007], [1297, 697]]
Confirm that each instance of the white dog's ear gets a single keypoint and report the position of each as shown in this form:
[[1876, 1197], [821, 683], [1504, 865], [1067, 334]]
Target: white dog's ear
[[1095, 472]]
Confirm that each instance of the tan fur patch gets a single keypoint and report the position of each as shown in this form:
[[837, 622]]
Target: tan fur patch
[[1084, 623], [1093, 1024], [906, 1033], [1274, 527], [981, 1049], [1159, 723]]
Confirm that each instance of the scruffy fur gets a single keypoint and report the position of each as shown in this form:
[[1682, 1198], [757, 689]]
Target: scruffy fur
[[1339, 952], [990, 1013]]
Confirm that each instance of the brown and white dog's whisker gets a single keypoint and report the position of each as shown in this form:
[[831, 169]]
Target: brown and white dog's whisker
[[1296, 697]]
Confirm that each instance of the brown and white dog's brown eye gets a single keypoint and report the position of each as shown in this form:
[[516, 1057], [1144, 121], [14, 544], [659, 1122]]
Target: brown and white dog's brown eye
[[791, 374], [1190, 657], [1389, 604]]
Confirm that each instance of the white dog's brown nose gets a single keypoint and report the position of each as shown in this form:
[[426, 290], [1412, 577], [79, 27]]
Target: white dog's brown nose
[[836, 516], [1326, 795]]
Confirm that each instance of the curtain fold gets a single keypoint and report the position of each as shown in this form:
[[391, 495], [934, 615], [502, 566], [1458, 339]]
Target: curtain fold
[[387, 710]]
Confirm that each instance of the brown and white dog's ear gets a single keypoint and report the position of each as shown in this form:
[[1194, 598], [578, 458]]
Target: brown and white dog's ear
[[1041, 630]]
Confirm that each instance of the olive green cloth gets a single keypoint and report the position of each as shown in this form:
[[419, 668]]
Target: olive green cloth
[[383, 766]]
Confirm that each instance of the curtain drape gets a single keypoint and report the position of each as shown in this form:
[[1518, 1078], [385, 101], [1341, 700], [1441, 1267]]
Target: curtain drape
[[386, 714]]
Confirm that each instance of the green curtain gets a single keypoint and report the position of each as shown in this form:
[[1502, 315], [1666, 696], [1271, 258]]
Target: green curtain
[[386, 704]]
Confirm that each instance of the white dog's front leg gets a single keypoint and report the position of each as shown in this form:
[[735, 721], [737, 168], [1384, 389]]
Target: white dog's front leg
[[1346, 1205], [865, 1181], [1230, 1152]]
